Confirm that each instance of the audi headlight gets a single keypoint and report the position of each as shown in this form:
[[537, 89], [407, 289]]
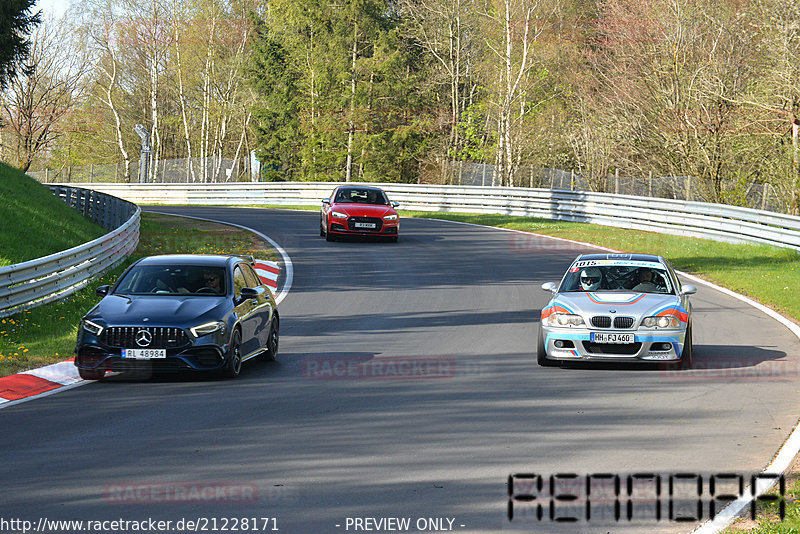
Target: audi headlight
[[207, 328], [564, 319], [663, 321], [390, 217], [93, 328], [338, 215]]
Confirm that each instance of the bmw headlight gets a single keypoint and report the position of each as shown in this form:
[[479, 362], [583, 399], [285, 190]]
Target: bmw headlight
[[390, 217], [338, 215], [663, 321], [93, 328], [564, 319], [207, 328]]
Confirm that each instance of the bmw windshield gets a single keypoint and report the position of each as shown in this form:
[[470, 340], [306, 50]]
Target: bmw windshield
[[643, 277]]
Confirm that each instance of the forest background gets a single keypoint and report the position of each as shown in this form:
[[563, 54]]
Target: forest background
[[408, 90]]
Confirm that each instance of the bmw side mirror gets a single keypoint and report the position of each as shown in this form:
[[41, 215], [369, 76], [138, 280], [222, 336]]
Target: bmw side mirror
[[549, 286], [102, 291], [688, 290]]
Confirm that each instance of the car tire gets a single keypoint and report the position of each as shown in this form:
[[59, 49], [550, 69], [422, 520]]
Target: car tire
[[686, 354], [328, 236], [393, 239], [273, 341], [321, 229], [91, 374], [541, 353], [234, 364]]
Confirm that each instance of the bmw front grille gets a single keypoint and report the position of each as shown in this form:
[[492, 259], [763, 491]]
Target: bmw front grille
[[603, 321]]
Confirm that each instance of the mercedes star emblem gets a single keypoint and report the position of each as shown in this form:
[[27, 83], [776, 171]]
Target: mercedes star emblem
[[144, 338]]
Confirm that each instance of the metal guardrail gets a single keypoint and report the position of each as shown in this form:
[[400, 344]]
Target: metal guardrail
[[54, 277], [695, 219]]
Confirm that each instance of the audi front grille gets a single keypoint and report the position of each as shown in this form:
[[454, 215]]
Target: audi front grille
[[351, 224]]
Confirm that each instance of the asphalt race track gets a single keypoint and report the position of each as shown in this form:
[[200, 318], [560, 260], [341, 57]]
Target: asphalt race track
[[406, 387]]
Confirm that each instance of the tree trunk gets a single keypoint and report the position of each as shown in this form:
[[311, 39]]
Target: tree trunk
[[190, 174], [351, 125]]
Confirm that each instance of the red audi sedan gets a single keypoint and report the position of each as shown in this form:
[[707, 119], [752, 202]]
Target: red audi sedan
[[358, 210]]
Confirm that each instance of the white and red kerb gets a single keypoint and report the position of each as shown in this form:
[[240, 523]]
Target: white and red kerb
[[268, 272]]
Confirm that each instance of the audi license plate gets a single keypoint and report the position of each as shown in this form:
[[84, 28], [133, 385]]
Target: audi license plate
[[144, 354], [364, 225], [611, 337]]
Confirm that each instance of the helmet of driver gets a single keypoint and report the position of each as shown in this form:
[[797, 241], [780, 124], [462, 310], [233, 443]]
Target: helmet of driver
[[590, 279]]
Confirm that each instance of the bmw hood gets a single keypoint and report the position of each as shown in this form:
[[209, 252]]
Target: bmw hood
[[629, 304], [119, 310]]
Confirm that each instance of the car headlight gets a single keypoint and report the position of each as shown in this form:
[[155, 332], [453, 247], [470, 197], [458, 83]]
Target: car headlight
[[338, 215], [564, 319], [207, 328], [390, 217], [93, 328], [663, 321]]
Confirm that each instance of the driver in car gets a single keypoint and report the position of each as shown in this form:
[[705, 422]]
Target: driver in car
[[646, 284], [590, 279], [211, 281]]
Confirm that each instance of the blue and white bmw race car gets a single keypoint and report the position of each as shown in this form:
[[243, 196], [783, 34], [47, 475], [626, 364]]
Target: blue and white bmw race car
[[617, 308]]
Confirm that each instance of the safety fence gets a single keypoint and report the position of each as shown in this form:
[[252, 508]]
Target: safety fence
[[54, 277], [689, 218]]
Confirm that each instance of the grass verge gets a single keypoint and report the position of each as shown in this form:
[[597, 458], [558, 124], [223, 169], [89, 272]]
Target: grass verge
[[45, 335], [29, 209], [768, 519]]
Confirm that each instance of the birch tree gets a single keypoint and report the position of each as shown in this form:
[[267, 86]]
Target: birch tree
[[512, 37], [107, 72], [445, 30]]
